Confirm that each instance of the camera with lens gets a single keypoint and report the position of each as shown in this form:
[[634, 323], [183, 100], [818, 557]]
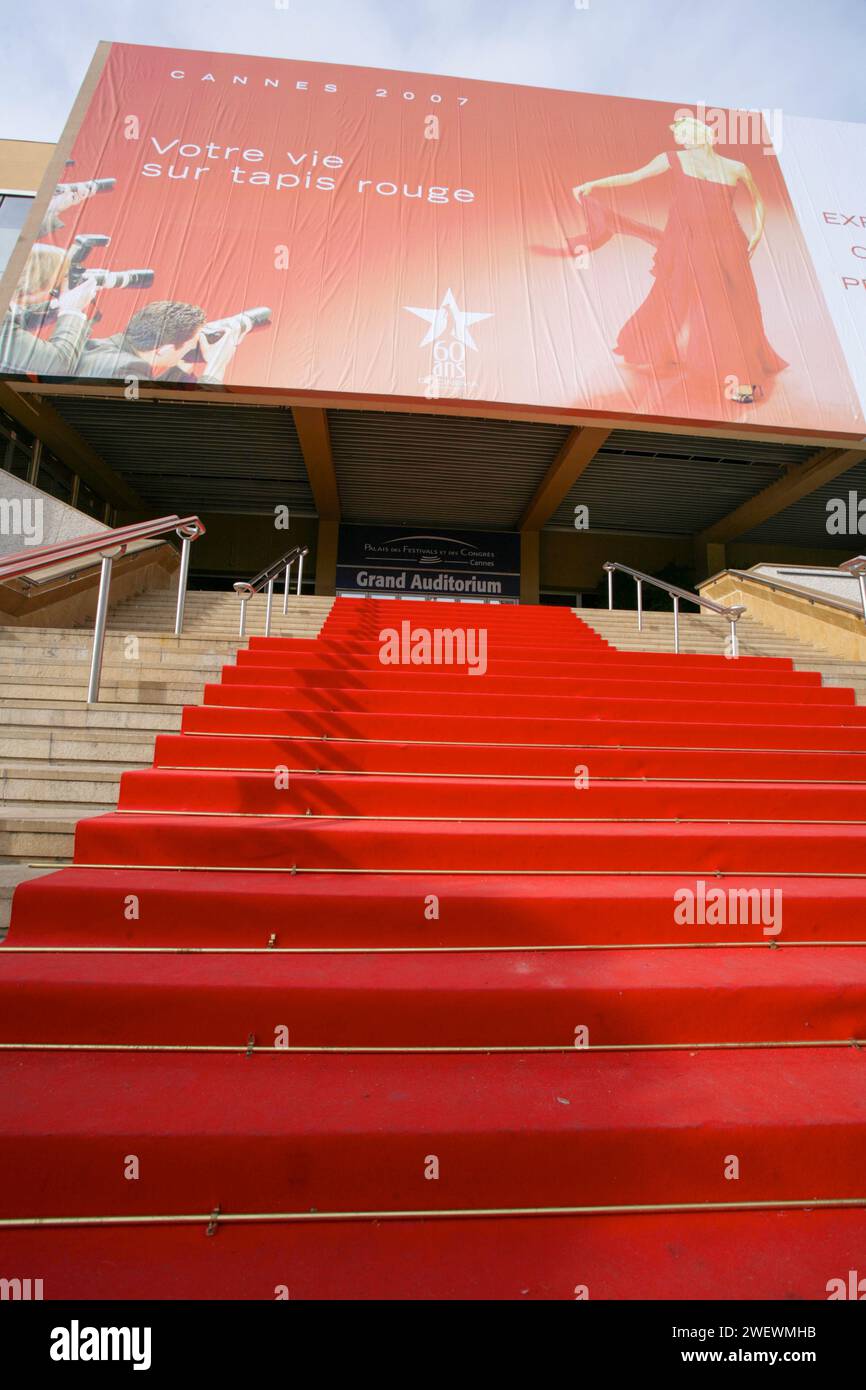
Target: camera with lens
[[86, 187], [213, 331], [105, 279]]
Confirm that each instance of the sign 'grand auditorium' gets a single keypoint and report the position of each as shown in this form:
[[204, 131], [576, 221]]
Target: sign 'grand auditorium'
[[272, 225]]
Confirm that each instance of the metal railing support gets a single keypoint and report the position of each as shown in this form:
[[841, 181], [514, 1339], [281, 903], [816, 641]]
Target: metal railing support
[[731, 615], [99, 627], [857, 567], [280, 569], [109, 544], [182, 579]]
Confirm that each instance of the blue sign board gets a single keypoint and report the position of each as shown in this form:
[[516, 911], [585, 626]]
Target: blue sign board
[[412, 562]]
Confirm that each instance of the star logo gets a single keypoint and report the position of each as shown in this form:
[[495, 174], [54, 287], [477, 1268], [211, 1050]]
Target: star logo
[[462, 319]]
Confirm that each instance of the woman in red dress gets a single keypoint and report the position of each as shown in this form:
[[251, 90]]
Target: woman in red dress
[[702, 312]]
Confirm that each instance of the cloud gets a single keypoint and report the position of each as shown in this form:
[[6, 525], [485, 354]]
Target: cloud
[[797, 55]]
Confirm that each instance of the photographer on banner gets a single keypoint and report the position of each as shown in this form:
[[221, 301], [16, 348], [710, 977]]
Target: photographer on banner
[[162, 338], [69, 195], [44, 291]]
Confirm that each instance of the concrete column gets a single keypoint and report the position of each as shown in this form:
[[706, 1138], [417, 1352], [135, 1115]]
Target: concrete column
[[326, 555], [529, 567], [710, 558]]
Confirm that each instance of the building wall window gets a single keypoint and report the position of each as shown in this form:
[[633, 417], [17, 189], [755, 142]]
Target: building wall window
[[17, 453], [54, 477], [14, 208], [89, 501], [16, 447]]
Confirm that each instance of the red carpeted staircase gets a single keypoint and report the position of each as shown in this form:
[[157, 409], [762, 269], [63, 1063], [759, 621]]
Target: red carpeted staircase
[[563, 962]]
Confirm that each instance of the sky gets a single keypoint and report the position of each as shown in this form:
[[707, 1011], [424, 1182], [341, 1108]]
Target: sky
[[803, 57]]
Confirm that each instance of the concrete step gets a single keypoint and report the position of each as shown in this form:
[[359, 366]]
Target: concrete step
[[82, 785], [225, 632], [132, 692], [157, 646], [707, 634], [62, 758], [23, 745], [112, 672], [696, 633], [29, 658], [78, 714], [10, 877], [29, 832]]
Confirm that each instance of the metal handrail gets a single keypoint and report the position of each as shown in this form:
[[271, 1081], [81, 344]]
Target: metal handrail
[[857, 568], [109, 545], [34, 558], [246, 589], [731, 615]]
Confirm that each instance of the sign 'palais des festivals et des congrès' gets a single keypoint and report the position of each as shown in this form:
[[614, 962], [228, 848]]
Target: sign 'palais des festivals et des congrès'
[[383, 560]]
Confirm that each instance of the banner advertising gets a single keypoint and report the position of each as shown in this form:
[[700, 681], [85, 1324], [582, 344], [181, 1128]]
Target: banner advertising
[[383, 560], [279, 226]]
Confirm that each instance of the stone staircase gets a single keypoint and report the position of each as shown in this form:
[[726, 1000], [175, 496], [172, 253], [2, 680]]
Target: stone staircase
[[707, 633], [60, 758]]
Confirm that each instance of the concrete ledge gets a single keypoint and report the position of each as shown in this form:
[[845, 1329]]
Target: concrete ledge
[[808, 619], [73, 602]]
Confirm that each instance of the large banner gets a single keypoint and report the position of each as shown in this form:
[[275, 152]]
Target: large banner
[[387, 561], [273, 225]]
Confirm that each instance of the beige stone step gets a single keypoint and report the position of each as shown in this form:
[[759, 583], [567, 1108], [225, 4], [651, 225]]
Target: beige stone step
[[79, 715], [22, 745], [30, 832], [699, 633], [28, 659], [113, 672], [82, 785], [10, 877], [128, 692], [157, 645]]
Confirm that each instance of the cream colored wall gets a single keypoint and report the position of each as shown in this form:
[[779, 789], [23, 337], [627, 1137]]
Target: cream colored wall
[[244, 545], [23, 163], [806, 619], [574, 561]]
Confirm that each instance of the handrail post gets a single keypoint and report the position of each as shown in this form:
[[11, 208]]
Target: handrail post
[[857, 569], [244, 592], [269, 607], [99, 629], [676, 623], [182, 577], [286, 589], [300, 572], [610, 590], [735, 645], [639, 605]]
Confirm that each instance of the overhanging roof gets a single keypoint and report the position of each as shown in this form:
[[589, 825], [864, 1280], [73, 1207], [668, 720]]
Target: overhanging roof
[[673, 484], [190, 458], [443, 470]]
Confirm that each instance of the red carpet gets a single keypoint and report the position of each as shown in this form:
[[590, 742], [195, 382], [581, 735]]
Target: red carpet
[[584, 932]]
